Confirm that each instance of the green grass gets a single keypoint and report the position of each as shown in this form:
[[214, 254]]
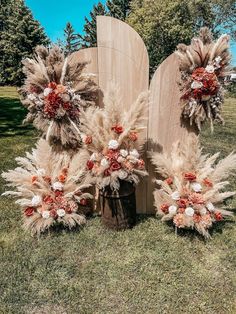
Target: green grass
[[144, 270]]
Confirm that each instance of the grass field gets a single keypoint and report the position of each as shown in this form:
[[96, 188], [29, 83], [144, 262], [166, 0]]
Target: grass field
[[144, 270]]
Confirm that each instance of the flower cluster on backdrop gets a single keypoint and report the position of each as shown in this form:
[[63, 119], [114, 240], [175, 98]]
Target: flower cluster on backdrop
[[204, 66]]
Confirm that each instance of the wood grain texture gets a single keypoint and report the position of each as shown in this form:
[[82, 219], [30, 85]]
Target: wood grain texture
[[123, 59], [165, 125]]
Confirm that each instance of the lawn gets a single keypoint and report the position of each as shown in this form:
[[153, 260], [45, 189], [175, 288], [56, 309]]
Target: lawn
[[144, 270]]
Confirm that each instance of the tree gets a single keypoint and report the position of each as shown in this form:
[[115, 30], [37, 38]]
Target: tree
[[89, 39], [20, 35], [72, 42], [119, 9], [164, 24]]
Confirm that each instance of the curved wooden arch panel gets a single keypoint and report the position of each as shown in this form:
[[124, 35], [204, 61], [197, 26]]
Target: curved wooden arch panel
[[165, 124], [123, 59]]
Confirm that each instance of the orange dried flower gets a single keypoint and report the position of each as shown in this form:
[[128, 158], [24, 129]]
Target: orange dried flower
[[164, 208], [88, 140], [141, 163], [169, 181], [207, 182], [29, 211], [117, 128], [62, 178], [196, 198], [218, 216], [34, 179], [197, 218], [133, 136], [190, 176], [181, 210], [60, 89], [179, 220]]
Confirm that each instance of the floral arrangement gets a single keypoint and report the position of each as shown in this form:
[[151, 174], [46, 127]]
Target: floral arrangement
[[54, 92], [113, 137], [50, 188], [204, 65], [190, 189]]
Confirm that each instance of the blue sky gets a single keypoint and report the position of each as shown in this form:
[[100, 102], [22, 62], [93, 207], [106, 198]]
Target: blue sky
[[54, 14]]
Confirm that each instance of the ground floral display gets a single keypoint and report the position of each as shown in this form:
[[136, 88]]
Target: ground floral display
[[54, 92], [49, 188], [113, 137], [204, 66], [192, 190]]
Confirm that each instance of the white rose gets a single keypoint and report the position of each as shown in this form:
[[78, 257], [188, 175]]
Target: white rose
[[105, 163], [175, 195], [45, 214], [36, 200], [203, 211], [61, 212], [218, 59], [124, 153], [134, 153], [57, 186], [120, 159], [41, 172], [172, 210], [196, 84], [210, 69], [196, 187], [122, 174], [210, 206], [113, 144], [47, 91], [31, 97], [94, 157], [65, 97], [77, 97], [189, 211]]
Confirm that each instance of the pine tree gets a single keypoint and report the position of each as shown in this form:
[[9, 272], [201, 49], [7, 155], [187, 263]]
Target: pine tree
[[119, 9], [89, 39], [20, 35], [71, 39]]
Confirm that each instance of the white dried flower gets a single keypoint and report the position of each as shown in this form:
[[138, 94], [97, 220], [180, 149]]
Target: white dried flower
[[218, 59], [57, 186], [210, 206], [189, 211], [172, 210], [196, 187], [61, 212], [124, 153], [113, 144], [196, 84], [134, 153], [203, 211], [122, 174], [47, 91], [120, 159], [175, 195], [105, 163], [210, 69], [45, 214], [36, 200], [31, 97]]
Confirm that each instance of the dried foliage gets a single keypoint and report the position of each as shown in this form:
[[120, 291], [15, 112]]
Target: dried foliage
[[204, 65], [113, 136], [54, 92], [49, 187], [191, 188]]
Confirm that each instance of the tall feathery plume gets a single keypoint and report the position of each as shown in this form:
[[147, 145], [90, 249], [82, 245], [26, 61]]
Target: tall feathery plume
[[191, 186], [203, 65]]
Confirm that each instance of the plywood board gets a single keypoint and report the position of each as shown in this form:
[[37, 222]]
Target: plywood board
[[123, 59], [165, 125]]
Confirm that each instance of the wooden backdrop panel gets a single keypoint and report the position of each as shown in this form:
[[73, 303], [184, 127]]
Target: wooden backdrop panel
[[165, 126], [123, 59]]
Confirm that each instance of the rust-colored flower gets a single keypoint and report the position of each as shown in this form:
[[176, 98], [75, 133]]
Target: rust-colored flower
[[190, 176], [88, 140], [112, 154], [117, 128], [53, 213], [181, 210], [196, 198], [141, 164], [29, 211], [58, 193], [83, 202], [48, 199], [60, 89], [62, 178], [197, 218], [67, 106], [47, 179], [164, 208], [114, 166], [34, 179], [182, 202], [169, 181], [207, 182], [133, 136], [90, 164], [218, 216], [52, 85], [179, 220], [198, 74]]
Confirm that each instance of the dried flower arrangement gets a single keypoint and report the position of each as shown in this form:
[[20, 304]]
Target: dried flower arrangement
[[54, 92], [49, 188], [113, 136], [203, 65], [190, 192]]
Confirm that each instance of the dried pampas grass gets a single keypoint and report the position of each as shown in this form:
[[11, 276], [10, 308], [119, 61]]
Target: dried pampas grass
[[113, 137], [54, 92], [204, 65], [50, 188], [192, 186]]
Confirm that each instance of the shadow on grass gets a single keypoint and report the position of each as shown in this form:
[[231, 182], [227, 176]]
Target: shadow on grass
[[11, 116]]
